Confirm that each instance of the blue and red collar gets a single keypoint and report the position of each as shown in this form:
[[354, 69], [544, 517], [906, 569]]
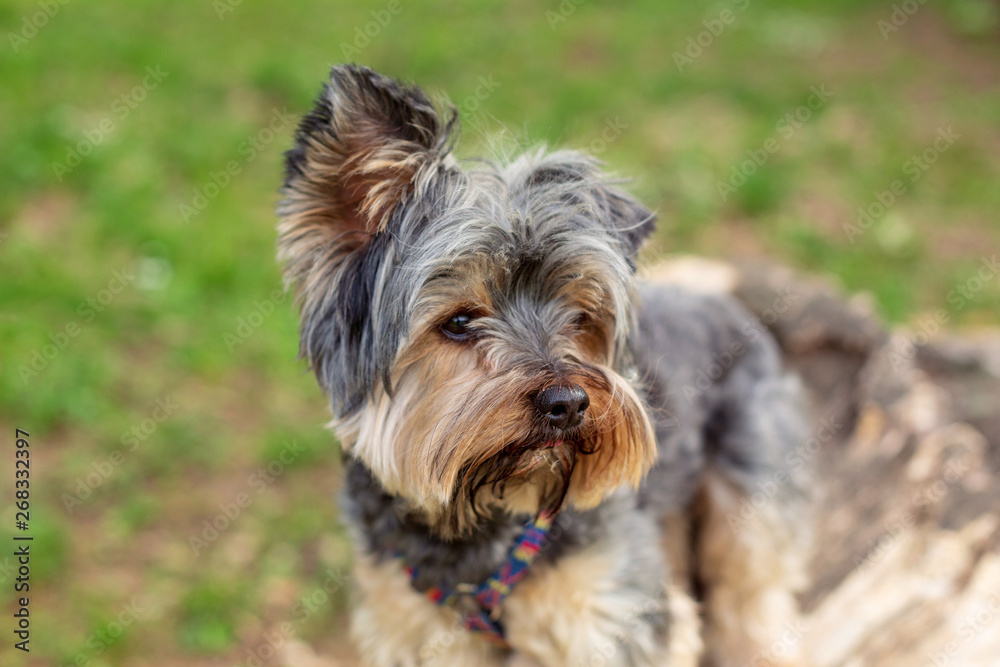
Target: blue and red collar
[[479, 606]]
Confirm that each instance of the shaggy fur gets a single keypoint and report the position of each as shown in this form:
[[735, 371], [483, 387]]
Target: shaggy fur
[[388, 239]]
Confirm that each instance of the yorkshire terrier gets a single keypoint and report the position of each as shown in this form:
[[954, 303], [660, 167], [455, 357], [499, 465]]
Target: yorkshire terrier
[[548, 461]]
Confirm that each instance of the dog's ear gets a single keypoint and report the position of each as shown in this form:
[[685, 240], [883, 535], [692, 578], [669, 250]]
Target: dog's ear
[[580, 180], [356, 156], [630, 218]]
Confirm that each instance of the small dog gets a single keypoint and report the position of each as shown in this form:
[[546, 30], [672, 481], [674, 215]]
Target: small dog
[[547, 462]]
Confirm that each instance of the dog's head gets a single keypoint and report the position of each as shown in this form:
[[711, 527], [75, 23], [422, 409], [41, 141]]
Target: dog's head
[[469, 323]]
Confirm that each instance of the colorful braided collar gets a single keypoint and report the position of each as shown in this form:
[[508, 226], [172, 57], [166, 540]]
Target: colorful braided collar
[[480, 606]]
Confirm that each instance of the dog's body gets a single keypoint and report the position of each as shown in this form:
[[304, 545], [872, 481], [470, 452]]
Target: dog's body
[[490, 358]]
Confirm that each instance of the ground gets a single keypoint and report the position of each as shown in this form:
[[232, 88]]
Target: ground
[[150, 354]]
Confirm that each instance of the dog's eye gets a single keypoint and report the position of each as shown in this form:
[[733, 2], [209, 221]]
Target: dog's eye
[[458, 326]]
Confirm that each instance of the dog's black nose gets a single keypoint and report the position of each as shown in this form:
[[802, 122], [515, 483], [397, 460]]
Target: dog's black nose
[[563, 405]]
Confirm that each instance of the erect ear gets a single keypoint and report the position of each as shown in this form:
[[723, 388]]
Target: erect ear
[[578, 178], [356, 156], [633, 221]]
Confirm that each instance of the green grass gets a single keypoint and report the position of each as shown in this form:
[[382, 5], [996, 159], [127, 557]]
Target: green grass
[[188, 287]]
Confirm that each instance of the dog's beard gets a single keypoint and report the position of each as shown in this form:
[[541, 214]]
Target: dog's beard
[[521, 479], [458, 461]]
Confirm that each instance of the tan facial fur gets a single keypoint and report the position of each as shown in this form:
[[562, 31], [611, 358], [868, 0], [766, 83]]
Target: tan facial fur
[[455, 407]]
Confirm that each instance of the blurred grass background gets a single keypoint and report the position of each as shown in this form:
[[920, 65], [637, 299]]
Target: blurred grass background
[[119, 493]]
